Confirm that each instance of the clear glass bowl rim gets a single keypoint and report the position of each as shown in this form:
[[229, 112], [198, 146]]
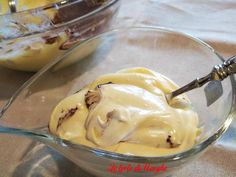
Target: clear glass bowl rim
[[122, 157], [64, 24]]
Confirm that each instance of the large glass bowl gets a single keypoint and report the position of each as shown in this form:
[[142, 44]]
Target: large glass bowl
[[30, 39], [178, 56]]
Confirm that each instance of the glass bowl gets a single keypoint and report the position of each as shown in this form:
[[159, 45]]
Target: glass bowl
[[178, 56], [30, 39]]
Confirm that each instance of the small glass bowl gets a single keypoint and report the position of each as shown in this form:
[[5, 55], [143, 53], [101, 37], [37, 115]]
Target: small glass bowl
[[178, 56], [30, 39]]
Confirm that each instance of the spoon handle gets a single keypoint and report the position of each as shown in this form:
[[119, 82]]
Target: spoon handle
[[227, 68], [219, 72], [12, 5], [190, 86]]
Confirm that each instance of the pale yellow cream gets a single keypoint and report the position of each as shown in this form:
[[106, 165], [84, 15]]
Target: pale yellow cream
[[127, 112], [31, 54], [28, 54]]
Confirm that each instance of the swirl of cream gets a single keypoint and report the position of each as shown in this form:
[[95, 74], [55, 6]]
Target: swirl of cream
[[127, 113]]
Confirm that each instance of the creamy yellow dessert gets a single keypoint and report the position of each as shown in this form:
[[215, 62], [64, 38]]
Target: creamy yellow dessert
[[28, 54], [127, 112], [33, 52]]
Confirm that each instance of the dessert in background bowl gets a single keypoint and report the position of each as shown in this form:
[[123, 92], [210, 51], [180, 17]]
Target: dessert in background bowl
[[175, 55], [32, 37], [9, 6]]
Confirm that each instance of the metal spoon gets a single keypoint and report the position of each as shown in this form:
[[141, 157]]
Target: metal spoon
[[12, 5], [218, 73]]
